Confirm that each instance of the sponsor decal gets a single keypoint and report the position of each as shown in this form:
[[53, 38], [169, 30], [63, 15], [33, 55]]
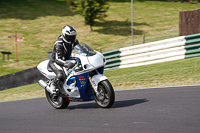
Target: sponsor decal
[[82, 82], [81, 78], [94, 83], [43, 72]]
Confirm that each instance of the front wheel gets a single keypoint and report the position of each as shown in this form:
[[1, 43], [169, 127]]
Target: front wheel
[[106, 96], [57, 102]]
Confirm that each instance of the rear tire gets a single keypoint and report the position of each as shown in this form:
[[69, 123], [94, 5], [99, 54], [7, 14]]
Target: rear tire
[[106, 96], [57, 102]]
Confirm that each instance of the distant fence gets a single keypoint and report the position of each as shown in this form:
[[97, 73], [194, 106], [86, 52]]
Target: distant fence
[[154, 52], [189, 22]]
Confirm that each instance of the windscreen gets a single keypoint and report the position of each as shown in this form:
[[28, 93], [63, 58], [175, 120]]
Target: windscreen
[[83, 49]]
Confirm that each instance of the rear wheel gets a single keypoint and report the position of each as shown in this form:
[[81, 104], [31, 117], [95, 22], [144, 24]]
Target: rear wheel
[[106, 96], [56, 101]]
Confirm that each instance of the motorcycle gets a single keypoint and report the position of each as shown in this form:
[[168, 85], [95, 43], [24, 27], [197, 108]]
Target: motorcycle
[[84, 81]]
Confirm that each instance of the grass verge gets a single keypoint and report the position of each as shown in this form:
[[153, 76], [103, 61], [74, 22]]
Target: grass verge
[[23, 92]]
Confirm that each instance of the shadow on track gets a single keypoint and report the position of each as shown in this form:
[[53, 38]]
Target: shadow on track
[[127, 103], [117, 104]]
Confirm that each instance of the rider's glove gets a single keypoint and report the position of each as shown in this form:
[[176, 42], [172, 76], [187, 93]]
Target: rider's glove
[[68, 65]]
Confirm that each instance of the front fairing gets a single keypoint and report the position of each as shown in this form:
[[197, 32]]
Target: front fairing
[[94, 61], [90, 58]]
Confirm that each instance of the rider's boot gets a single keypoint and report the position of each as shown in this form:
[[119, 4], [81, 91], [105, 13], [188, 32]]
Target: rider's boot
[[60, 88], [54, 88], [57, 87]]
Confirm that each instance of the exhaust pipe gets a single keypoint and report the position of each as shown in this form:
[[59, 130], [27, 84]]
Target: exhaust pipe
[[44, 85]]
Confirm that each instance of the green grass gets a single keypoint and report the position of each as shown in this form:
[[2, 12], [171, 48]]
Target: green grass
[[181, 72], [23, 92], [40, 22]]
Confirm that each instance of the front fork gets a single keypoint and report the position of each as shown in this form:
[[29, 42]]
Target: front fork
[[94, 81]]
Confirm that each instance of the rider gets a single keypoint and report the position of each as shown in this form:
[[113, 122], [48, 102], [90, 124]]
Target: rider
[[61, 52]]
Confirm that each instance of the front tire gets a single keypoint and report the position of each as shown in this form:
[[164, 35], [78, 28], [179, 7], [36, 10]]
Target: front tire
[[106, 96], [57, 102]]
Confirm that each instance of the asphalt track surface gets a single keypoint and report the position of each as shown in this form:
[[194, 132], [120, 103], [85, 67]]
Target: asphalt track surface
[[155, 110]]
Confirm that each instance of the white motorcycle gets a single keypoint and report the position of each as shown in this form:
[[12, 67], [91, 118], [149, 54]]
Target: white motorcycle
[[85, 80]]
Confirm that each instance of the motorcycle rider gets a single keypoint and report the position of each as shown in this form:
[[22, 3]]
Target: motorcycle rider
[[61, 52]]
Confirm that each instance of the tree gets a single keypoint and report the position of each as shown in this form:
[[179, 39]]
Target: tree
[[90, 9]]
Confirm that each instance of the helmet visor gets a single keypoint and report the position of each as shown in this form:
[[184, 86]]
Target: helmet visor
[[70, 39]]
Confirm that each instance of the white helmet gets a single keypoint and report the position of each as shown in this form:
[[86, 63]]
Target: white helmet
[[69, 34]]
